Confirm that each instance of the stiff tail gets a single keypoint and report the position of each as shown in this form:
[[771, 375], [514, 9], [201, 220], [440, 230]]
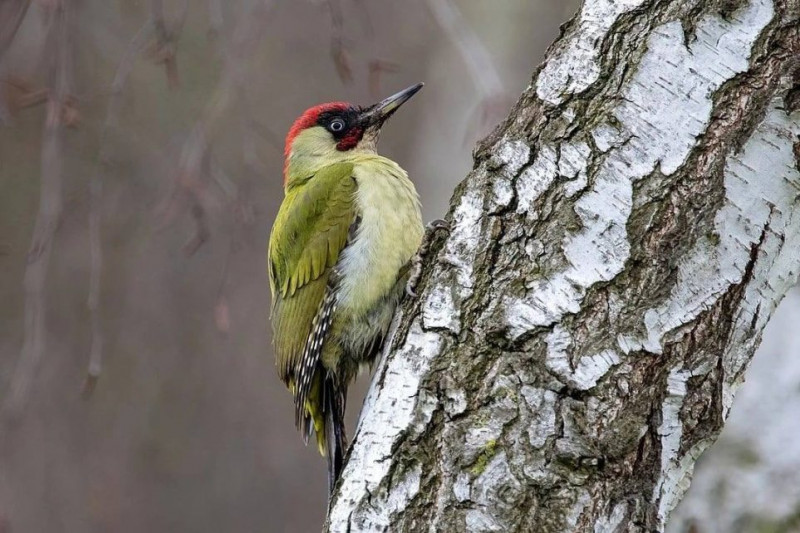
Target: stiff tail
[[323, 410], [335, 441]]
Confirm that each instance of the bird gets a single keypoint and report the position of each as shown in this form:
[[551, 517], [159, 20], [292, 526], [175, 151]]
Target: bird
[[342, 250]]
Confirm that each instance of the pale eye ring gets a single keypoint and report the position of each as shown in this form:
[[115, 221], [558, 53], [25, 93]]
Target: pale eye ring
[[337, 125]]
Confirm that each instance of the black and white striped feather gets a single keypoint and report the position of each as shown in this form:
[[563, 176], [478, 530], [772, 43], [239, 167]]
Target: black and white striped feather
[[310, 362]]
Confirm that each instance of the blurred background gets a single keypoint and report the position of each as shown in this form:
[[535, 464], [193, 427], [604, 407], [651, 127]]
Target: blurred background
[[140, 170]]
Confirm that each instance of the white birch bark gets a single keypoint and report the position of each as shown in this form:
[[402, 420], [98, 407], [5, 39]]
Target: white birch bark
[[615, 254], [749, 481]]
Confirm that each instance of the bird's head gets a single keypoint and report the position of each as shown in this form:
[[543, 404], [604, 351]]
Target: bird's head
[[328, 133]]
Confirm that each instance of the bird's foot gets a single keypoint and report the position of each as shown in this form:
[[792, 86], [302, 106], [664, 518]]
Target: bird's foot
[[416, 261]]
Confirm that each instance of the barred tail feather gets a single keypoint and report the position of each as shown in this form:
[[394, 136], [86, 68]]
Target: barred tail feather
[[312, 415], [319, 400], [335, 439], [309, 371]]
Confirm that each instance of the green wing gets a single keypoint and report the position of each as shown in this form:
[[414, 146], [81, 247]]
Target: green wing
[[310, 232]]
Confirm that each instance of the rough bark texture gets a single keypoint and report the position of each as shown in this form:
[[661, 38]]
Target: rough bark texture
[[615, 254]]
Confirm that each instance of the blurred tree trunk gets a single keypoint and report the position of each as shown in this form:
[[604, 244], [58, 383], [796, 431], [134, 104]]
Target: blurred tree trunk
[[615, 254]]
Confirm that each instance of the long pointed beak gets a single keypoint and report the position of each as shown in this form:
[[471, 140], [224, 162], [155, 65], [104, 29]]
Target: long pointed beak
[[378, 113]]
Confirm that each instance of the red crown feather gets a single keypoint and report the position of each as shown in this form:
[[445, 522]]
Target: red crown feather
[[307, 120]]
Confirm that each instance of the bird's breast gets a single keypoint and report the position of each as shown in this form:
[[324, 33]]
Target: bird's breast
[[388, 236]]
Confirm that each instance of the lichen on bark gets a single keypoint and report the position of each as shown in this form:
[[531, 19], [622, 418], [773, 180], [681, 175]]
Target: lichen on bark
[[614, 256]]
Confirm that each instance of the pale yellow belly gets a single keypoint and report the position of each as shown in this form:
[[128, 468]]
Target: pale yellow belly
[[388, 236]]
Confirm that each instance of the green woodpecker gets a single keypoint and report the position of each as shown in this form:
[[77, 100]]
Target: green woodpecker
[[339, 256]]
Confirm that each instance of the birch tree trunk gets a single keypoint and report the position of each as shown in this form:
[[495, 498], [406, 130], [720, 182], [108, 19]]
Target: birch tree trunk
[[614, 256]]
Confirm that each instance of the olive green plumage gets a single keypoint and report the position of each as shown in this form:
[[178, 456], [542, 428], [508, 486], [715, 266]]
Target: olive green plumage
[[309, 233], [338, 254]]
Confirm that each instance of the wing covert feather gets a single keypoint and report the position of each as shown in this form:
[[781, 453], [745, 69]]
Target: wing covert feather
[[309, 233]]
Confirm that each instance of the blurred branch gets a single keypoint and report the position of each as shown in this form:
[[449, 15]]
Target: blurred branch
[[196, 160], [494, 100], [215, 20], [377, 67], [103, 167], [194, 155], [476, 57], [267, 134], [12, 13], [241, 216], [57, 54], [18, 93], [339, 54], [362, 12], [163, 49]]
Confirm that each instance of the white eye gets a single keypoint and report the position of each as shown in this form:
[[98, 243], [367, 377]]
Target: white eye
[[337, 125]]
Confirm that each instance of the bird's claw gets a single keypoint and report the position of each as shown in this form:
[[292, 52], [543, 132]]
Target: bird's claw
[[416, 262], [436, 225], [413, 277]]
